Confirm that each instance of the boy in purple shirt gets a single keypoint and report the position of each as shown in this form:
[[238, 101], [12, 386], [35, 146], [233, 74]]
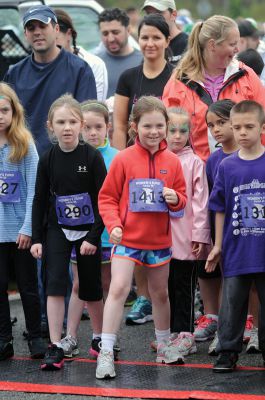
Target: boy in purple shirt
[[238, 199]]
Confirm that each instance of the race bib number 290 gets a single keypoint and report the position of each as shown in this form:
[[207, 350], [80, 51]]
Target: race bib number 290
[[146, 195], [10, 186]]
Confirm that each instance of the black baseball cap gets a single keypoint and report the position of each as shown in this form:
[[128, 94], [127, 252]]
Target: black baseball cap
[[246, 28]]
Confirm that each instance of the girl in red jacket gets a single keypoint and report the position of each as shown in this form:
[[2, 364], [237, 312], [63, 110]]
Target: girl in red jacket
[[144, 182]]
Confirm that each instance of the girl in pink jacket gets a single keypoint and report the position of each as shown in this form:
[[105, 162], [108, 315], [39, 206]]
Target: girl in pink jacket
[[190, 234]]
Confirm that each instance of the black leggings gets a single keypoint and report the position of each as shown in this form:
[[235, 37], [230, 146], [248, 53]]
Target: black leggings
[[181, 289], [58, 254], [26, 277]]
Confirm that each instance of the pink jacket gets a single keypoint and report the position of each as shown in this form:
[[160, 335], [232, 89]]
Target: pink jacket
[[194, 225]]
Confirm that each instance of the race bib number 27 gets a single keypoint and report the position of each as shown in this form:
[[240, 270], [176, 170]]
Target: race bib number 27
[[9, 186]]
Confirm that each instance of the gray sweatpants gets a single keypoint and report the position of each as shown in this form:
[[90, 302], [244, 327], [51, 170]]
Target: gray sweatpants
[[234, 309]]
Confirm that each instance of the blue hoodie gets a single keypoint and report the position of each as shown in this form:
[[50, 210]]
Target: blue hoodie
[[108, 153], [38, 85]]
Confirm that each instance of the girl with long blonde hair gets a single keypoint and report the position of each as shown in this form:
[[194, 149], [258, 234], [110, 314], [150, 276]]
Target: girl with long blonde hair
[[18, 166]]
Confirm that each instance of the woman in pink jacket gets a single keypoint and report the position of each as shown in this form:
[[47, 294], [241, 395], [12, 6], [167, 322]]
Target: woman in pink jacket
[[208, 72], [190, 234]]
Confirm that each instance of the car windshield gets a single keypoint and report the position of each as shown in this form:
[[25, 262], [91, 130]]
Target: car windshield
[[10, 19]]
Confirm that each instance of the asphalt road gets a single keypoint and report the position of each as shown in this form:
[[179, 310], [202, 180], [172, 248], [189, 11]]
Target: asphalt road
[[135, 346]]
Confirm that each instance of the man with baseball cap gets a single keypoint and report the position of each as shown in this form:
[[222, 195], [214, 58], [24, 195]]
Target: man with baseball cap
[[179, 39], [249, 35], [39, 13], [47, 73]]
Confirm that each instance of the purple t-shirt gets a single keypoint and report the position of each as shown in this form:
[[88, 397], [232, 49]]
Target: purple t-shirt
[[212, 165], [239, 192]]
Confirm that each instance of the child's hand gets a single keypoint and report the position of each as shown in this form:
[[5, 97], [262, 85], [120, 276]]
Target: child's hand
[[170, 196], [36, 250], [87, 249], [198, 249], [23, 242], [213, 259], [116, 235]]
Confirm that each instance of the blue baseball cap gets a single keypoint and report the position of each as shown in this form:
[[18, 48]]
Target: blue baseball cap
[[39, 13]]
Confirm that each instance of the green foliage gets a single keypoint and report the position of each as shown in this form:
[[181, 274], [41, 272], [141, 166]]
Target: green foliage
[[232, 8]]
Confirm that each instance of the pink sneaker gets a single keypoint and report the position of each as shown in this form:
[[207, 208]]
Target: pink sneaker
[[248, 328], [185, 343], [206, 328]]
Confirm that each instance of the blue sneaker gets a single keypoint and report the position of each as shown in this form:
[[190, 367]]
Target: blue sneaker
[[140, 313]]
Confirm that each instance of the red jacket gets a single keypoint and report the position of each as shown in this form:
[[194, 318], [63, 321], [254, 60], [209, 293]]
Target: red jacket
[[142, 230], [240, 83]]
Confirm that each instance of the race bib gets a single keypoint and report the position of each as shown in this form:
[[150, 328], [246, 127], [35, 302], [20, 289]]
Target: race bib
[[253, 210], [146, 195], [75, 209], [10, 186]]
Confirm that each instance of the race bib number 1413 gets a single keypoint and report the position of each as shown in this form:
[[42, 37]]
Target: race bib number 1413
[[146, 195]]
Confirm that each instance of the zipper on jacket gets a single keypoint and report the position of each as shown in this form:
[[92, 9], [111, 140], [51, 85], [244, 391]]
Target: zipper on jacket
[[233, 78], [152, 165]]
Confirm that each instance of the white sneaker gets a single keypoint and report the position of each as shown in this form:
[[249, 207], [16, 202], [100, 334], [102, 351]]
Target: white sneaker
[[168, 353], [185, 343], [105, 365], [212, 348], [253, 344], [69, 346]]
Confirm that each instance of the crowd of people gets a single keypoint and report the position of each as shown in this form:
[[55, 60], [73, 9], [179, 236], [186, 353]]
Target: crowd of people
[[145, 167]]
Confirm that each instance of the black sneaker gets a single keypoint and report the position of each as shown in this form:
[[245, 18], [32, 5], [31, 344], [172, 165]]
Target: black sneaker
[[226, 362], [53, 359], [6, 350], [94, 349], [37, 348]]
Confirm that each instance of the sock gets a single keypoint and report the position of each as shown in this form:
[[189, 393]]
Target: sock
[[107, 341], [162, 335], [213, 316], [96, 335]]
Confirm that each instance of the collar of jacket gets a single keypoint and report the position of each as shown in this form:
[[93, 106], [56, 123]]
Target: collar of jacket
[[232, 74]]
